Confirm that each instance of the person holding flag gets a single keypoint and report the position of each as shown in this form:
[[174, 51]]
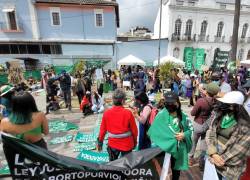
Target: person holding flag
[[172, 131]]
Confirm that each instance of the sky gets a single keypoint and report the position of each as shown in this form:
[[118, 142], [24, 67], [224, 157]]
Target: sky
[[137, 13]]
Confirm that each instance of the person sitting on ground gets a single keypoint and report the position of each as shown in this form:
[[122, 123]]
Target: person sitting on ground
[[86, 104], [120, 125], [25, 121], [97, 103]]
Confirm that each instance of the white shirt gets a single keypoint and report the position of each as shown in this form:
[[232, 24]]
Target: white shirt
[[247, 105], [225, 87]]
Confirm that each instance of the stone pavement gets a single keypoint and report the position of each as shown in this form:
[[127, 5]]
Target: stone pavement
[[86, 125]]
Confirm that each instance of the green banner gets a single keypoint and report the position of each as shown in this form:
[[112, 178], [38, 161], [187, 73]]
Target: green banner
[[200, 58], [34, 74], [94, 157], [82, 138], [188, 57], [85, 146], [64, 139], [61, 126]]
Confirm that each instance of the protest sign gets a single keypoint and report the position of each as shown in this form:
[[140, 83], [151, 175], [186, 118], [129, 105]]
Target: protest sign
[[63, 139], [84, 146], [91, 156], [81, 137], [27, 161], [56, 126]]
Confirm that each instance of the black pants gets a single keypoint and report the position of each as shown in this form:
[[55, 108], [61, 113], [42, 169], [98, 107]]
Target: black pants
[[175, 173], [80, 95], [114, 153]]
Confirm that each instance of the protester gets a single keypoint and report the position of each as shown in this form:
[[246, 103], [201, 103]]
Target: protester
[[228, 137], [51, 89], [142, 115], [25, 112], [139, 85], [224, 86], [201, 112], [80, 88], [171, 131], [120, 125], [97, 103], [86, 104], [7, 92], [65, 85], [247, 102]]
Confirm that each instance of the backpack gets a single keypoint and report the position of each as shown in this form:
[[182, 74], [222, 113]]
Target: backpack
[[153, 114]]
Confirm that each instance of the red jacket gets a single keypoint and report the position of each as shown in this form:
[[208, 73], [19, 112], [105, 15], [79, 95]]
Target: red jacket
[[85, 101], [118, 120]]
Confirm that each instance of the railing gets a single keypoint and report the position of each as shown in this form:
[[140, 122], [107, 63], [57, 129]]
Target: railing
[[219, 39], [203, 38], [175, 37], [5, 27]]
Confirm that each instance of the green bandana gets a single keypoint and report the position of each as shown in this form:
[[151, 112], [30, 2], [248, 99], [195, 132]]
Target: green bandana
[[228, 122]]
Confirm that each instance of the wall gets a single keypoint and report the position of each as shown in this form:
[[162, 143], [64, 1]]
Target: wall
[[76, 23], [146, 50], [23, 17]]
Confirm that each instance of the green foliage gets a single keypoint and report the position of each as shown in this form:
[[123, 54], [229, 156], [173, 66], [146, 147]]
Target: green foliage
[[79, 67], [165, 73]]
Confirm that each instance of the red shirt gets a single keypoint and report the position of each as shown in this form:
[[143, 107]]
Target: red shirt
[[118, 120]]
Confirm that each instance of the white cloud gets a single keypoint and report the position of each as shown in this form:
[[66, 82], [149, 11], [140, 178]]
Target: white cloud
[[137, 13]]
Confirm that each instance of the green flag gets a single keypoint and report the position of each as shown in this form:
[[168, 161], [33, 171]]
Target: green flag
[[162, 133], [200, 58]]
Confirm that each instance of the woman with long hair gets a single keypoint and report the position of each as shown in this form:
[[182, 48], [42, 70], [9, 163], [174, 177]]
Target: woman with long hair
[[98, 104], [25, 121], [142, 115], [228, 137], [171, 131]]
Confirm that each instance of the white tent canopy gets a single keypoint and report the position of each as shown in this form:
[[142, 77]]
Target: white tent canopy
[[245, 63], [169, 59], [131, 60]]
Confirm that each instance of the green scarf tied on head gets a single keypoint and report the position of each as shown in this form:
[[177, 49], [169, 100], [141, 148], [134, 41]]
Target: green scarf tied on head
[[228, 121]]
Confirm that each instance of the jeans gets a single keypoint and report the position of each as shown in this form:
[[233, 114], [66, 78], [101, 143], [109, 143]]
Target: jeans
[[114, 153], [67, 98], [97, 109]]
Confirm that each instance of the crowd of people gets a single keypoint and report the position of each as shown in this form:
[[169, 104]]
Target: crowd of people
[[219, 102]]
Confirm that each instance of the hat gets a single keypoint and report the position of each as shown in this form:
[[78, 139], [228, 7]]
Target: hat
[[171, 97], [5, 89], [212, 88], [88, 92], [247, 85], [233, 97]]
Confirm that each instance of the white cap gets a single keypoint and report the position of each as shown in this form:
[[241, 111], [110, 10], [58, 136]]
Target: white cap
[[233, 97]]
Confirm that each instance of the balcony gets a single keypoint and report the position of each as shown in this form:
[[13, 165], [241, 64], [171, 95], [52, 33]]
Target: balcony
[[203, 38], [189, 38], [175, 37], [219, 39], [5, 27]]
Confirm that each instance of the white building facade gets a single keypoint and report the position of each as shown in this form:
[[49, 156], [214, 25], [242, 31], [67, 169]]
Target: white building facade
[[204, 26]]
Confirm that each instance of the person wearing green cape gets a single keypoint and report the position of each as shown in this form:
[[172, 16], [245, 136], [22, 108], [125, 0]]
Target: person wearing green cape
[[172, 131]]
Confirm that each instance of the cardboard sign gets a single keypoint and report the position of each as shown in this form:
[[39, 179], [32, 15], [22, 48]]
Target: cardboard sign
[[84, 146], [61, 126], [64, 139], [95, 157]]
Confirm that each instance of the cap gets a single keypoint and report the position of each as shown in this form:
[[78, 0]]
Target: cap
[[170, 97], [212, 88], [233, 97], [88, 92], [5, 89]]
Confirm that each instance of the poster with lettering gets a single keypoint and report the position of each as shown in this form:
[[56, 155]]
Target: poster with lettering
[[92, 156], [27, 161], [200, 58], [220, 59], [188, 57]]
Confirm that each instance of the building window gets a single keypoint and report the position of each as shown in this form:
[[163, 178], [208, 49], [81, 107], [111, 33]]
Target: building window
[[55, 16], [99, 22], [223, 6], [189, 26], [241, 54], [244, 30], [176, 52], [177, 30], [220, 29], [12, 20], [204, 28]]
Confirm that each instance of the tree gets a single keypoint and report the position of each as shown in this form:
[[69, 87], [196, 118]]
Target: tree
[[235, 30]]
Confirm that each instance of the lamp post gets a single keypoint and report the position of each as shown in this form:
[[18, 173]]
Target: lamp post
[[159, 48]]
